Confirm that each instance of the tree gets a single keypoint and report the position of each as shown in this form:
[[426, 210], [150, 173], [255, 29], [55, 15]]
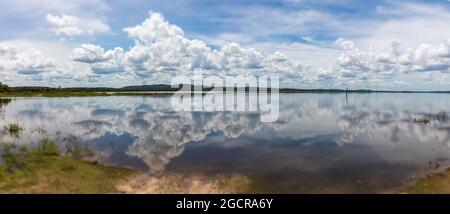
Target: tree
[[4, 87]]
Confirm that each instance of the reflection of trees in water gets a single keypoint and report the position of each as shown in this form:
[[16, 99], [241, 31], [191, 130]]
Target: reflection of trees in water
[[3, 102]]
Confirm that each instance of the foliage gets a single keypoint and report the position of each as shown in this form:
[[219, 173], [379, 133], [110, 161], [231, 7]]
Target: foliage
[[48, 147], [17, 93], [4, 87], [13, 129]]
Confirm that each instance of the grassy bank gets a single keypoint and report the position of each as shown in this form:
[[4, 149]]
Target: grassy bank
[[47, 169], [435, 183]]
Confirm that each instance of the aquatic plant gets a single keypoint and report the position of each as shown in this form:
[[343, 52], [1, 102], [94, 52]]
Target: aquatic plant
[[48, 147], [78, 150], [13, 129]]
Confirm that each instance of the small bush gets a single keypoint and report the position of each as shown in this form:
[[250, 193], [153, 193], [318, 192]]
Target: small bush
[[48, 147], [13, 129]]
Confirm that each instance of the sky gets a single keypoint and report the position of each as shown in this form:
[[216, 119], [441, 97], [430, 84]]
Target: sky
[[385, 44]]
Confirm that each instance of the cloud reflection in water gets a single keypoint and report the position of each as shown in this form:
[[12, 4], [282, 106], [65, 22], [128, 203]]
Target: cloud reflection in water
[[160, 134]]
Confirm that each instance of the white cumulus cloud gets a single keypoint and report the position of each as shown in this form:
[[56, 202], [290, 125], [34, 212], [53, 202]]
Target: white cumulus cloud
[[29, 62], [30, 66], [71, 26], [426, 57], [101, 62], [162, 49]]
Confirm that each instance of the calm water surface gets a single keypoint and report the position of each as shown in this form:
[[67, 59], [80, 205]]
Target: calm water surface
[[321, 143]]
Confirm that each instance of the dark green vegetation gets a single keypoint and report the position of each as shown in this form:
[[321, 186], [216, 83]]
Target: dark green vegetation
[[4, 88], [31, 91], [13, 129], [48, 169], [52, 94]]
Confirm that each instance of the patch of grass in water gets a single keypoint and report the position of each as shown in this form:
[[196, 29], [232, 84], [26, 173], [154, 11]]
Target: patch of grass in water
[[13, 129], [48, 147]]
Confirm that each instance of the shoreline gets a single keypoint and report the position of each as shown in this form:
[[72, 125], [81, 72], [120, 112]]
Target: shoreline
[[45, 169], [434, 182], [168, 93]]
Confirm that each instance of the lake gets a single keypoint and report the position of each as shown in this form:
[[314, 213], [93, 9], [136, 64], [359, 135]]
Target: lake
[[321, 143]]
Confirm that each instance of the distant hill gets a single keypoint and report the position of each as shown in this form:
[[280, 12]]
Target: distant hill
[[157, 87]]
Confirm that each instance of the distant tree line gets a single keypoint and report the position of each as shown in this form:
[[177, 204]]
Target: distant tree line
[[169, 88]]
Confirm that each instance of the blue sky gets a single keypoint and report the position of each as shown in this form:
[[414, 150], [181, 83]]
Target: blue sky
[[310, 44]]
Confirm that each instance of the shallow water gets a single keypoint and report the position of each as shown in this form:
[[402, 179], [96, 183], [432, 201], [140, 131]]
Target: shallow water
[[321, 143]]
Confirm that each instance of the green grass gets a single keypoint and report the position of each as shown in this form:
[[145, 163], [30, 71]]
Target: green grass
[[48, 148], [43, 169]]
